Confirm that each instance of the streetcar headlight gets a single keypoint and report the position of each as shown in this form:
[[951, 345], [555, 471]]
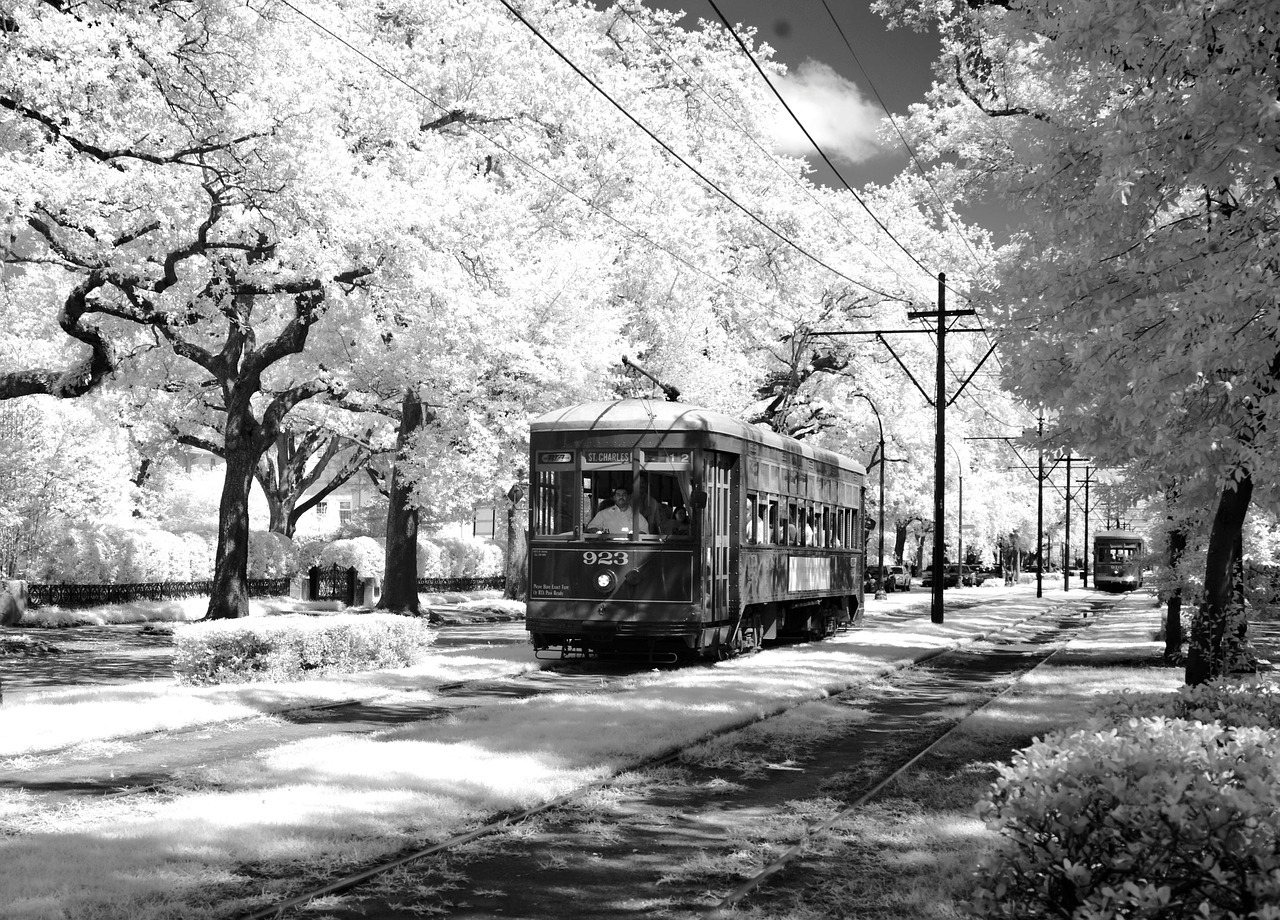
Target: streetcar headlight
[[605, 581]]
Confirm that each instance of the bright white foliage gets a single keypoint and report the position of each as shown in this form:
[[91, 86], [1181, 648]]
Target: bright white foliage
[[1139, 145]]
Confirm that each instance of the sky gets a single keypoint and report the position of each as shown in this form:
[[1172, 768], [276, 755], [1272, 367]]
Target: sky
[[837, 93]]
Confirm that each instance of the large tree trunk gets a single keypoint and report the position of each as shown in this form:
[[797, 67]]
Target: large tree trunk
[[1208, 653], [400, 578], [517, 570], [230, 595]]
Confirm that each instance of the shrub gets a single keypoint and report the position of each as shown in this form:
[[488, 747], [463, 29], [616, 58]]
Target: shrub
[[1232, 704], [432, 561], [296, 647], [1156, 818], [271, 555], [469, 556], [365, 554], [308, 554]]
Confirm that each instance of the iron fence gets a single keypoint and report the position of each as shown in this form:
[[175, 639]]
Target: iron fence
[[465, 583], [332, 583], [68, 595]]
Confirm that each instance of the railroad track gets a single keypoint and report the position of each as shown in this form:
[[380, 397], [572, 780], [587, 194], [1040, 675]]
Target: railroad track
[[393, 882]]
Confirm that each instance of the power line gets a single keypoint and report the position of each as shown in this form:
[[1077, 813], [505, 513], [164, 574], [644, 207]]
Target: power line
[[910, 151], [663, 144], [816, 146], [752, 139], [871, 83]]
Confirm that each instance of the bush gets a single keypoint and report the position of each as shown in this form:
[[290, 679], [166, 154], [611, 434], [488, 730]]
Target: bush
[[468, 557], [296, 647], [365, 554], [271, 555], [1251, 703], [432, 562], [1156, 818], [94, 554]]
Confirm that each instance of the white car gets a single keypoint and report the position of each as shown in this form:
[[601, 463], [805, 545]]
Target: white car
[[899, 577]]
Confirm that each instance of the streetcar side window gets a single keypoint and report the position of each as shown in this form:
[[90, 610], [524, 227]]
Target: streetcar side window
[[829, 528], [552, 504]]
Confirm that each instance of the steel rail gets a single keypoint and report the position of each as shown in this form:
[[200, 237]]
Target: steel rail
[[785, 858], [500, 822]]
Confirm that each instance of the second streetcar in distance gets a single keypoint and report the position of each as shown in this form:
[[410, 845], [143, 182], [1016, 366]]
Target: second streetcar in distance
[[730, 535], [1118, 560]]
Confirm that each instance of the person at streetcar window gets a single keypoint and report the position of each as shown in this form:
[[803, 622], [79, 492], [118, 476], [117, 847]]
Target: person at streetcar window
[[678, 524], [650, 507], [617, 518]]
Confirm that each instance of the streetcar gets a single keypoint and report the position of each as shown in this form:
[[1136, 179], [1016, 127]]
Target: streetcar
[[1118, 560], [670, 532]]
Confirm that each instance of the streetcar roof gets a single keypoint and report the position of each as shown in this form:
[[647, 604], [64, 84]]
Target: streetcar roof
[[661, 417], [1118, 535]]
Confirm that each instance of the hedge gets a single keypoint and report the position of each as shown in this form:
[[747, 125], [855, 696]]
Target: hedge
[[294, 647]]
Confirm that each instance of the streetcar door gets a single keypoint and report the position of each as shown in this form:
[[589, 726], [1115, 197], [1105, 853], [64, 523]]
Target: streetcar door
[[721, 528]]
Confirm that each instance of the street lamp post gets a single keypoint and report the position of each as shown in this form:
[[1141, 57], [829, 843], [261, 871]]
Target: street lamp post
[[960, 510], [880, 593]]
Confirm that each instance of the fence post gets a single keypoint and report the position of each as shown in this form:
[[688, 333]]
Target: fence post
[[350, 599], [313, 582]]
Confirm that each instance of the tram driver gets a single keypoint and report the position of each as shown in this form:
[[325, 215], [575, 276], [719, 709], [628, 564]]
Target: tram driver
[[617, 517]]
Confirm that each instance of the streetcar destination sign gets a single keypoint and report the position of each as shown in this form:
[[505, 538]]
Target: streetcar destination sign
[[607, 456]]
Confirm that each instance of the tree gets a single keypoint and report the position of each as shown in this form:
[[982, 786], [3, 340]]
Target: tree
[[1138, 143], [180, 184]]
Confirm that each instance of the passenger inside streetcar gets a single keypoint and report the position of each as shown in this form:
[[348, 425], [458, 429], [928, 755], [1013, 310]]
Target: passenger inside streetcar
[[617, 517]]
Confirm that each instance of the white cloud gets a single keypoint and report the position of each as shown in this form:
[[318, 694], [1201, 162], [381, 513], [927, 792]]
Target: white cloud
[[833, 110]]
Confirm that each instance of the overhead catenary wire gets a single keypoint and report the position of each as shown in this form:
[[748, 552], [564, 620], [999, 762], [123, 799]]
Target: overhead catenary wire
[[751, 138], [588, 203], [897, 130], [697, 172], [816, 146], [945, 211]]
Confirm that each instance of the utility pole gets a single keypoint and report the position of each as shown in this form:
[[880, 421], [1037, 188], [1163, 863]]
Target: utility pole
[[939, 439], [940, 402], [1066, 538], [1084, 579], [1040, 513]]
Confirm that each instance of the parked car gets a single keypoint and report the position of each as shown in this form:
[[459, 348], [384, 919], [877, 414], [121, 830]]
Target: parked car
[[950, 576], [900, 577], [980, 574], [871, 581], [958, 574]]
